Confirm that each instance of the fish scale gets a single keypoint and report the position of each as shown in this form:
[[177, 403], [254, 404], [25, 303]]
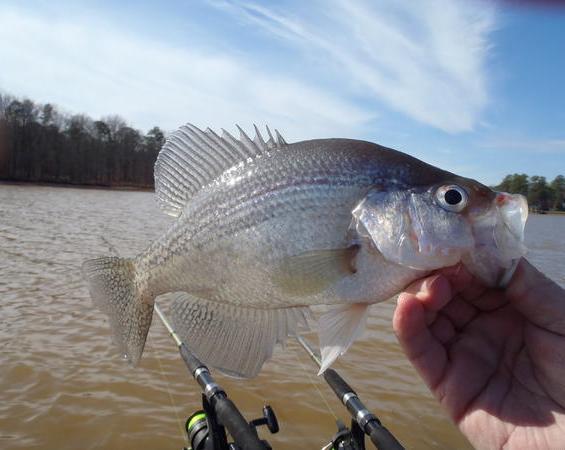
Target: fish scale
[[199, 219], [205, 229], [266, 229]]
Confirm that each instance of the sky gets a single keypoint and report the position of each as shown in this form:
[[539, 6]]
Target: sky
[[474, 87]]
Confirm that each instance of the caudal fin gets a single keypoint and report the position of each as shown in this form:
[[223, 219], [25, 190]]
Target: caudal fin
[[114, 290]]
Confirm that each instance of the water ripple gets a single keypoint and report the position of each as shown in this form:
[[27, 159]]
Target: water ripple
[[62, 386]]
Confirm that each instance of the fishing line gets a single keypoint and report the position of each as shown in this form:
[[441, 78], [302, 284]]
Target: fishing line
[[259, 394], [167, 383], [111, 247], [310, 379]]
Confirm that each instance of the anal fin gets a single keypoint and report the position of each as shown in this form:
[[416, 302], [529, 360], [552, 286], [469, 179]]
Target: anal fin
[[338, 329], [232, 339]]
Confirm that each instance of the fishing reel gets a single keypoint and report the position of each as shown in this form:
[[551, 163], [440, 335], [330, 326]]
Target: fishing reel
[[206, 433], [347, 439]]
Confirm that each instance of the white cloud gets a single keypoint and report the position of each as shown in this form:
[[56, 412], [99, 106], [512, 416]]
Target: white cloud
[[85, 66], [425, 59]]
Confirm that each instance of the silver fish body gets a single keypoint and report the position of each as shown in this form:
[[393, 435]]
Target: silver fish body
[[267, 229], [231, 239]]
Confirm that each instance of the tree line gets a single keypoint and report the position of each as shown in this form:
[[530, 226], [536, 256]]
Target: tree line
[[38, 143], [541, 195]]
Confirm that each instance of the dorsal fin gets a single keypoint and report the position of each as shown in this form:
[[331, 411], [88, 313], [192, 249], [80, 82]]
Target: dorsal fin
[[192, 158]]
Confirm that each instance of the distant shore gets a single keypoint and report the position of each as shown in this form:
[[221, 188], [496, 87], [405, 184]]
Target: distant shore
[[78, 186], [556, 213], [151, 189]]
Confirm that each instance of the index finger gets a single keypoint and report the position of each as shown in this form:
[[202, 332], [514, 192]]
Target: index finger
[[426, 353]]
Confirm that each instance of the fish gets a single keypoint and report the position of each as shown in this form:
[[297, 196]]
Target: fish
[[265, 230]]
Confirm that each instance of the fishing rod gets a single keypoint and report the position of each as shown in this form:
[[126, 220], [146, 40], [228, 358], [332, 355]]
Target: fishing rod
[[206, 429], [363, 422]]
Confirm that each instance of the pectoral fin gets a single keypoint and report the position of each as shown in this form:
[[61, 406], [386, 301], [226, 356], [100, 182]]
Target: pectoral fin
[[312, 272], [338, 329]]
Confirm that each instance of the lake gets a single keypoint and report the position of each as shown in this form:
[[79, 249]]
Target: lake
[[62, 385]]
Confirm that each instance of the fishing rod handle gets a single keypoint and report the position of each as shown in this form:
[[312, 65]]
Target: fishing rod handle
[[381, 437], [229, 416]]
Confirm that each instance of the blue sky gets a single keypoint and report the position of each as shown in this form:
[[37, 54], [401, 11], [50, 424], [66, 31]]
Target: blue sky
[[473, 87]]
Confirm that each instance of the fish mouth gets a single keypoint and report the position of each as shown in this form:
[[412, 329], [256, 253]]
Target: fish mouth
[[499, 239]]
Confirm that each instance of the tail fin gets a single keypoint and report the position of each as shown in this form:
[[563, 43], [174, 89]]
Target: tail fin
[[114, 290]]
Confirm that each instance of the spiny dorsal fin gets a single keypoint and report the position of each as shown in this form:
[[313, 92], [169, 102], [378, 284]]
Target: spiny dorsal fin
[[192, 158], [280, 139], [271, 141]]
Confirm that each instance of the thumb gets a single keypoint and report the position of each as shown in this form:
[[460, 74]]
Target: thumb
[[537, 297]]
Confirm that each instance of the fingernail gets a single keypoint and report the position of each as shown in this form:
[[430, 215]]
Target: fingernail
[[428, 283]]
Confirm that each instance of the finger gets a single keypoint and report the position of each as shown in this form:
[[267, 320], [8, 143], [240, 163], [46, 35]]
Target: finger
[[489, 300], [423, 349], [472, 291], [443, 330], [537, 297], [459, 277], [459, 312], [549, 359], [434, 292]]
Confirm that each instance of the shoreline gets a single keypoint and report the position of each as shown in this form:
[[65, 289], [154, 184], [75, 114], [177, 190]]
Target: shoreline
[[549, 213], [150, 189], [77, 186]]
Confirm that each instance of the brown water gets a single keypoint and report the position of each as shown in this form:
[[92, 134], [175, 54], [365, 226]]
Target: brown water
[[63, 387]]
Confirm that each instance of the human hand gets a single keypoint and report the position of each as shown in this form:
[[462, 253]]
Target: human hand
[[494, 358]]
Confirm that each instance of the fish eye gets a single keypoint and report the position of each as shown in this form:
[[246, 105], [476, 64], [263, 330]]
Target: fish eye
[[452, 198]]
